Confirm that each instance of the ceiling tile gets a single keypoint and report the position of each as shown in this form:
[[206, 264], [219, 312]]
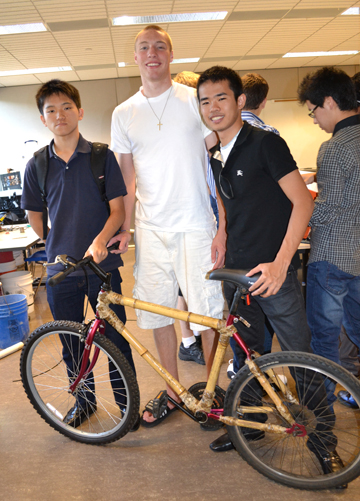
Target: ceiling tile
[[254, 34], [99, 74]]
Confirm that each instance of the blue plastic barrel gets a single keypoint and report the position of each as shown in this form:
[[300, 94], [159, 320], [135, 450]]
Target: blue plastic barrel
[[14, 321]]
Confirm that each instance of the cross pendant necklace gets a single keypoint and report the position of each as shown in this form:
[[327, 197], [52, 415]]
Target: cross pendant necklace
[[159, 124]]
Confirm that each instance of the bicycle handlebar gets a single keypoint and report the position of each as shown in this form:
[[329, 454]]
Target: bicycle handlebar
[[86, 261]]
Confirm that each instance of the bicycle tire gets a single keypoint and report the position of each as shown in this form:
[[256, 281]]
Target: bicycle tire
[[287, 459], [45, 377]]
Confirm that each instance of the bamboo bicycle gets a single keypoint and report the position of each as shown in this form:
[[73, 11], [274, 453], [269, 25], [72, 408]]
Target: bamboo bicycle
[[276, 409]]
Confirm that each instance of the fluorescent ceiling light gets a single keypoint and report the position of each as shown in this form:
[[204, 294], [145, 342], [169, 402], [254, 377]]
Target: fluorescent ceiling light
[[169, 18], [353, 11], [122, 64], [21, 28], [186, 60], [321, 53], [34, 70]]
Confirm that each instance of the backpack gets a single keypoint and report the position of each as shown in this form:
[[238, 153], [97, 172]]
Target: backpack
[[97, 164]]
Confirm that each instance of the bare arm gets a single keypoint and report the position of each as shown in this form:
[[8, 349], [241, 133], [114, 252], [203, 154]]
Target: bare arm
[[218, 247], [117, 214], [128, 171], [211, 140], [273, 274], [36, 222]]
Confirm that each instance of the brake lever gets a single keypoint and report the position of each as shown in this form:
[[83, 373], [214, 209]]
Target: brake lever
[[62, 259]]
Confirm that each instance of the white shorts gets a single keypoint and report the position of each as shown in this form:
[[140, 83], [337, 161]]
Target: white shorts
[[166, 261]]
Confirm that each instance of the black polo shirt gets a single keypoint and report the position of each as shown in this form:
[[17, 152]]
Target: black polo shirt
[[258, 215]]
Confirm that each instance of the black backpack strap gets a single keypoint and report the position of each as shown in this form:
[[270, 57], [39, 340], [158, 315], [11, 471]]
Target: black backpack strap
[[42, 163], [97, 163]]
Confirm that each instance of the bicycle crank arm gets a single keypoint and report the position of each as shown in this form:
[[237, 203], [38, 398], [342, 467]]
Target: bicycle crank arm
[[183, 409]]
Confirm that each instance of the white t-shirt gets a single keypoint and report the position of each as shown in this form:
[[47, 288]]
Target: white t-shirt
[[170, 164], [226, 150]]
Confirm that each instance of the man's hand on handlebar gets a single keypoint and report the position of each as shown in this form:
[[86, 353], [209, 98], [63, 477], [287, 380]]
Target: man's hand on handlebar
[[123, 238], [98, 251]]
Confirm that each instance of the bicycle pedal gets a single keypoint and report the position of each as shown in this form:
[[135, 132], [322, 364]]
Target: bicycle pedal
[[158, 405]]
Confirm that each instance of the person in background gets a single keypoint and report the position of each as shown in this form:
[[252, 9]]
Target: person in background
[[333, 277], [256, 90], [190, 347], [349, 352]]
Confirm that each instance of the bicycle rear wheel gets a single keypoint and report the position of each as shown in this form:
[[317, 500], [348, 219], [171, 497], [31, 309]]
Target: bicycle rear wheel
[[289, 458], [109, 393]]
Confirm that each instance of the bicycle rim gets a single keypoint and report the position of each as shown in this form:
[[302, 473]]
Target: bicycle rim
[[109, 394], [290, 458]]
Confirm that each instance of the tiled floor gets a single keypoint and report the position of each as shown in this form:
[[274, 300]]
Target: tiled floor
[[172, 461]]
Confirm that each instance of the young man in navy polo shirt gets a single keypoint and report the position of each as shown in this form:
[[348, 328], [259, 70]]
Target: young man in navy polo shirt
[[80, 221]]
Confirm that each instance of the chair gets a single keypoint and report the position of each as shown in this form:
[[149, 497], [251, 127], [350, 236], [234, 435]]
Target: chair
[[38, 257]]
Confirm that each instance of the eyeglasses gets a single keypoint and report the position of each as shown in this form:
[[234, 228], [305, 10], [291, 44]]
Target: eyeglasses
[[312, 112], [225, 185]]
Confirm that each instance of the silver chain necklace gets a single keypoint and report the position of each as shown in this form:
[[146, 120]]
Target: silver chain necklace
[[159, 124]]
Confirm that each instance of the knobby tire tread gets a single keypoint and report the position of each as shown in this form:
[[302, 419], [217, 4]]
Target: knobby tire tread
[[241, 445], [108, 348]]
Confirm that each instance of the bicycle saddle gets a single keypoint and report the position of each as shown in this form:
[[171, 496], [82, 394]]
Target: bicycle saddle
[[237, 277]]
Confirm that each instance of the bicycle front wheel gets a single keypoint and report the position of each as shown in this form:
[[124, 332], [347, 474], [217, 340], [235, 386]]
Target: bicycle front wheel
[[326, 426], [108, 396]]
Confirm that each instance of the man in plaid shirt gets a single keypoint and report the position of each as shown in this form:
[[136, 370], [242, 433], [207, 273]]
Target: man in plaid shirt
[[333, 278]]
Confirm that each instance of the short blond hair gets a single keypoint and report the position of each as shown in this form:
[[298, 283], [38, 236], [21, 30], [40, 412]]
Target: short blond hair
[[188, 78], [155, 27]]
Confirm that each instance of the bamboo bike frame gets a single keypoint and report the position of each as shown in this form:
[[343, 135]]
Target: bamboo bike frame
[[203, 406]]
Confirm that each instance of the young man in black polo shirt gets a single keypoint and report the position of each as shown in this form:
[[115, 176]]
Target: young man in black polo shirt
[[267, 207]]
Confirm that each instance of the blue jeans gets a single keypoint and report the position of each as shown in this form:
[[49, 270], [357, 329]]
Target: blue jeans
[[332, 300], [66, 301]]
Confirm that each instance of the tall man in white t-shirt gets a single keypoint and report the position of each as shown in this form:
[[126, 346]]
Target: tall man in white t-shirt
[[159, 137]]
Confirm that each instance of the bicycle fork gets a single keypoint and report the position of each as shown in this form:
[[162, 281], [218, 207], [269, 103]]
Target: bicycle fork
[[97, 324]]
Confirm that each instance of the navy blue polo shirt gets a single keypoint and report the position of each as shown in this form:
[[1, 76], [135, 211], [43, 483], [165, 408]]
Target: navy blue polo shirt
[[76, 211]]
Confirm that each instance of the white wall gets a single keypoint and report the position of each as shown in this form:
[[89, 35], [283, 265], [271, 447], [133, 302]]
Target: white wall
[[302, 136], [20, 120]]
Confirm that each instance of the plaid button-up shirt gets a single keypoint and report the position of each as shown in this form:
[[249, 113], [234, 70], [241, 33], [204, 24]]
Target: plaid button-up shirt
[[335, 221]]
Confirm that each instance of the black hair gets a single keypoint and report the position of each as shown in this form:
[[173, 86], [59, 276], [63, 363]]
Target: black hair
[[328, 82], [256, 89], [57, 87], [356, 80], [219, 74]]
